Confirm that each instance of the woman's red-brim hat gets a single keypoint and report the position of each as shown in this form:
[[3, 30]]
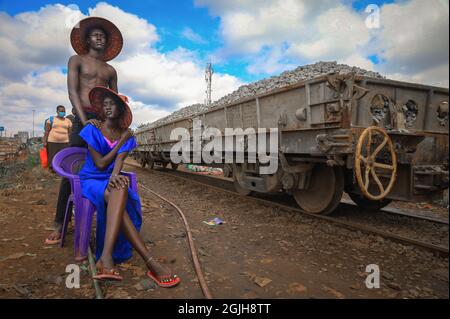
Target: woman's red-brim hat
[[79, 33], [98, 94]]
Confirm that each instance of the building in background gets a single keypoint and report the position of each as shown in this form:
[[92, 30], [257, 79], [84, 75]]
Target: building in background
[[22, 136]]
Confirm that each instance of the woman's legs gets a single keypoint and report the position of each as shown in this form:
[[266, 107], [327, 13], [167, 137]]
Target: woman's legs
[[117, 198], [163, 274]]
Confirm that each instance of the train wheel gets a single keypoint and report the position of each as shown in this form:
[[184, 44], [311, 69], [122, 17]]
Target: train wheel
[[325, 190], [164, 164], [143, 161], [367, 204], [151, 164], [227, 170], [241, 190], [174, 166], [237, 177]]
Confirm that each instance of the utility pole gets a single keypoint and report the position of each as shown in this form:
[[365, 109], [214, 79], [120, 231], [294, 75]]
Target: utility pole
[[33, 122], [208, 77]]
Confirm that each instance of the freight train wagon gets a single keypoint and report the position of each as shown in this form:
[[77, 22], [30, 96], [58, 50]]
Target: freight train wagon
[[378, 140]]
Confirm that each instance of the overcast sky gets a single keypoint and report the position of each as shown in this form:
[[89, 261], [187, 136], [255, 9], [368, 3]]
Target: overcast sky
[[167, 44]]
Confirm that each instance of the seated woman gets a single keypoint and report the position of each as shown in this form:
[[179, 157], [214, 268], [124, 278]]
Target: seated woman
[[118, 207]]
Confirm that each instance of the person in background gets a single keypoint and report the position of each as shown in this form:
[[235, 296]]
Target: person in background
[[57, 132], [71, 116]]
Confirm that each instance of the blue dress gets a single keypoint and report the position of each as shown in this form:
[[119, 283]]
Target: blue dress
[[93, 185]]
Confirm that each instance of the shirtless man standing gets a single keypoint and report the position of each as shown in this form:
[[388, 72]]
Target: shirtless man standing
[[95, 40]]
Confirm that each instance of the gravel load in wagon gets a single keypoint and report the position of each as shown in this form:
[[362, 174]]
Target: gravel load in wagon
[[286, 78]]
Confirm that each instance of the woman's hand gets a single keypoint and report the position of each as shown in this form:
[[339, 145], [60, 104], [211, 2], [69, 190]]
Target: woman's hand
[[126, 134], [118, 181]]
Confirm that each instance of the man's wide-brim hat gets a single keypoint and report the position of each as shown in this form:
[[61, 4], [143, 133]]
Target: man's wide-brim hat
[[79, 35], [98, 94]]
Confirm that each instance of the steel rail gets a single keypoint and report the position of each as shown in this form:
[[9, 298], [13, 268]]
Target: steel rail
[[439, 250]]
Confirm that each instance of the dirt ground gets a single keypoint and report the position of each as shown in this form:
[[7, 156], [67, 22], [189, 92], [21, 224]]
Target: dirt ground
[[259, 252]]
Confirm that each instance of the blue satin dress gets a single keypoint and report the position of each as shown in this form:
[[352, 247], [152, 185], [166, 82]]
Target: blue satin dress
[[93, 185]]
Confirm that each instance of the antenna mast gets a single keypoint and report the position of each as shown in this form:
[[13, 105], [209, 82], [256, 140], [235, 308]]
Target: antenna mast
[[208, 78]]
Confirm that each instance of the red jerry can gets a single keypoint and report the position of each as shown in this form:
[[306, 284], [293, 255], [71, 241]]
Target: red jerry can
[[44, 158]]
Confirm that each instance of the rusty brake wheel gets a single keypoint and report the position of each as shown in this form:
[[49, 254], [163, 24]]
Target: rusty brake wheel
[[366, 154]]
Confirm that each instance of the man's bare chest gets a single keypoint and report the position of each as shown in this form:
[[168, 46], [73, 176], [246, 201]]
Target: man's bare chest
[[95, 71]]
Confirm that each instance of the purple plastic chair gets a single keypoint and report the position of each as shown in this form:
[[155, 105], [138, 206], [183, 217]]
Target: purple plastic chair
[[67, 163]]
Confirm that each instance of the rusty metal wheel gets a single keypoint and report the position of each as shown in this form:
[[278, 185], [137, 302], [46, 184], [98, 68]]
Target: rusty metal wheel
[[151, 164], [241, 190], [142, 161], [227, 170], [324, 191], [174, 166], [367, 150], [237, 177]]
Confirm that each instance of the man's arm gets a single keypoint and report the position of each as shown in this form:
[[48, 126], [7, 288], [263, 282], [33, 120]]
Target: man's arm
[[73, 84], [113, 81]]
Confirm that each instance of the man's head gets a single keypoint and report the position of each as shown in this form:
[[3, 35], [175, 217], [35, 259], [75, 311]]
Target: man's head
[[61, 111], [96, 38], [98, 34]]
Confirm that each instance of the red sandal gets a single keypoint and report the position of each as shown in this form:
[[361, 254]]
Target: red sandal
[[175, 281], [104, 274]]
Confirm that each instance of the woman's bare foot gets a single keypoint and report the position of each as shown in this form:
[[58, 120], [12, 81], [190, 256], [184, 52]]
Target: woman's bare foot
[[106, 271], [105, 263], [163, 274]]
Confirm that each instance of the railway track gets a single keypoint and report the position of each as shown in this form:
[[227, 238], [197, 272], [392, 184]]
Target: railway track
[[286, 203], [398, 212]]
